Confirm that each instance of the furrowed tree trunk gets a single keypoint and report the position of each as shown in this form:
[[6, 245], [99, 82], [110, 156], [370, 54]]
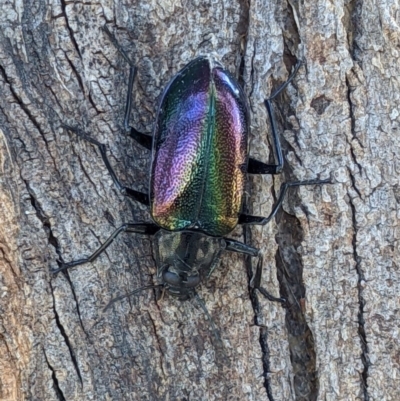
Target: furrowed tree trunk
[[332, 252]]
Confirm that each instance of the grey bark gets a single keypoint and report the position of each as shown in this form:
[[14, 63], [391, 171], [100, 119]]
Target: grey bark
[[332, 252]]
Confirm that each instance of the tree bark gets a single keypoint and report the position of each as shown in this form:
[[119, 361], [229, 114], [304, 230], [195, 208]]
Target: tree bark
[[332, 252]]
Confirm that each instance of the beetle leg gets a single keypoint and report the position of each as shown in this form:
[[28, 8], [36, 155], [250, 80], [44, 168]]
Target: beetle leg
[[131, 193], [257, 167], [234, 246], [240, 247], [288, 81], [141, 228], [117, 45], [255, 284], [260, 220], [143, 139]]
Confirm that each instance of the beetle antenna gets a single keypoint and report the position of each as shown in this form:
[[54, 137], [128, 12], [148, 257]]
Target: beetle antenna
[[210, 319], [145, 287], [215, 331]]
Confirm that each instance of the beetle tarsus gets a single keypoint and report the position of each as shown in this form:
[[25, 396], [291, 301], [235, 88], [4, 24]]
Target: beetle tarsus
[[65, 266], [255, 284], [288, 81], [117, 45]]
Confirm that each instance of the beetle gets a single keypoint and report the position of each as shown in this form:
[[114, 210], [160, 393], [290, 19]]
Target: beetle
[[199, 168]]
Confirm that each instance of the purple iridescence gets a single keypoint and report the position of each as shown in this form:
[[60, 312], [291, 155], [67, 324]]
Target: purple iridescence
[[200, 151]]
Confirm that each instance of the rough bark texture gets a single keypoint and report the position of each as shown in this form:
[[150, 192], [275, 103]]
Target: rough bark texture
[[333, 252]]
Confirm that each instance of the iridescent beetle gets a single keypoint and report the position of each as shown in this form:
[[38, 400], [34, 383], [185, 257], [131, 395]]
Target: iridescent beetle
[[199, 166]]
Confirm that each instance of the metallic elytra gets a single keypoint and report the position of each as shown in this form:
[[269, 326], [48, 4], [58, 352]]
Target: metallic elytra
[[200, 151]]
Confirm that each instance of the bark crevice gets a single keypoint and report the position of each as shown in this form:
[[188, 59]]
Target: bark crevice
[[66, 339], [57, 388], [265, 360], [361, 302], [158, 341], [70, 31], [52, 239], [27, 112], [263, 338], [292, 288], [353, 122], [71, 284]]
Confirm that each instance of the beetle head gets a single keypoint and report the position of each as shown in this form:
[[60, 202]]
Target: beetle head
[[180, 285]]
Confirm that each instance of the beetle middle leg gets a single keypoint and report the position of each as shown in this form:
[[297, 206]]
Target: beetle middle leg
[[143, 139], [131, 193], [255, 282], [140, 228]]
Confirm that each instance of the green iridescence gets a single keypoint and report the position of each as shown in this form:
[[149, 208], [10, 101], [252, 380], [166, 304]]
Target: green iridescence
[[198, 176]]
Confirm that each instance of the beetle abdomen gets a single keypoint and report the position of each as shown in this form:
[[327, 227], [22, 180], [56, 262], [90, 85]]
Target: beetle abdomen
[[200, 151]]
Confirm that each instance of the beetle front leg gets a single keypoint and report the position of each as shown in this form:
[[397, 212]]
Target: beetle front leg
[[143, 139], [141, 228]]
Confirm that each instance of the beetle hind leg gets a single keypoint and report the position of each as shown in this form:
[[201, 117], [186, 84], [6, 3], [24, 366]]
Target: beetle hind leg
[[143, 139], [260, 220], [256, 166], [131, 193]]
